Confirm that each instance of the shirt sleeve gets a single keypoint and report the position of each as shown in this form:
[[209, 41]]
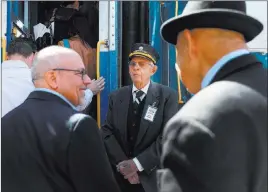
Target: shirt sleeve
[[87, 100], [139, 166]]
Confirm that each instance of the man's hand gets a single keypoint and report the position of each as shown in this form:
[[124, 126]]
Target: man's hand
[[133, 178], [97, 86], [127, 167]]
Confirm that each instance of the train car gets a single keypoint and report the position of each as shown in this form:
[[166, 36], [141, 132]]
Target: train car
[[122, 23]]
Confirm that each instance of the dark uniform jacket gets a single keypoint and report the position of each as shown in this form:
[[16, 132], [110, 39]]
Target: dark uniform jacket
[[47, 147], [127, 135], [218, 141]]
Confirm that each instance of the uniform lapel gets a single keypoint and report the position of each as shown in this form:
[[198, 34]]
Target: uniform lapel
[[122, 111], [151, 97]]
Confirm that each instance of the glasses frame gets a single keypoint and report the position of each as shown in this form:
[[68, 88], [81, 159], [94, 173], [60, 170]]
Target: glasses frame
[[130, 63], [81, 72]]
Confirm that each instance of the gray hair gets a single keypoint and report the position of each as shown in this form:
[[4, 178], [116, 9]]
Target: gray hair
[[47, 59]]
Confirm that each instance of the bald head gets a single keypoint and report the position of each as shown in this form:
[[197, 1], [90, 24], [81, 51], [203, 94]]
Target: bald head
[[62, 70], [50, 58], [209, 39], [199, 49]]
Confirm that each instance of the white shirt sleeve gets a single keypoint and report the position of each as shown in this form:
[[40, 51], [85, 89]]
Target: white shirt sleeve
[[16, 84], [139, 166], [87, 100]]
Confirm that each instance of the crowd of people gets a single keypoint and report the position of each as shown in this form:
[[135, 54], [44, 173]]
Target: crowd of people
[[217, 142]]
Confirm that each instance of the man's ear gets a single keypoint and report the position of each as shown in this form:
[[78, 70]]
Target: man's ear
[[30, 59], [51, 79], [154, 69], [189, 42]]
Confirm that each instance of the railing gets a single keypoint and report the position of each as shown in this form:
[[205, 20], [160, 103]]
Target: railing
[[104, 42]]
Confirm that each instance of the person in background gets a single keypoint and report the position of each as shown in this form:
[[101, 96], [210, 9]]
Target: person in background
[[217, 142], [136, 117], [16, 74], [31, 42], [46, 145]]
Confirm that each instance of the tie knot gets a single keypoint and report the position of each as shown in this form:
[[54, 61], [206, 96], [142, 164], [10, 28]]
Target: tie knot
[[139, 94]]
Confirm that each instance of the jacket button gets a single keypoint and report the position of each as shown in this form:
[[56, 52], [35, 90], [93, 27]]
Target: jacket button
[[133, 124], [131, 138]]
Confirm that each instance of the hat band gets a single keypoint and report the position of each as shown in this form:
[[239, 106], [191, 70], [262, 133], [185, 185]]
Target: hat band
[[143, 54]]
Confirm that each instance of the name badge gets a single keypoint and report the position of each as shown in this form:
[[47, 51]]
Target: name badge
[[150, 113]]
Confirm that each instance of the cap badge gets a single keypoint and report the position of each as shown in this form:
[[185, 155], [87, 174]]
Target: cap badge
[[140, 48]]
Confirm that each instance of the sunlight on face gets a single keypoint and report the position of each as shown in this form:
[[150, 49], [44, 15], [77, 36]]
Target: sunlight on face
[[141, 69], [73, 84], [186, 61]]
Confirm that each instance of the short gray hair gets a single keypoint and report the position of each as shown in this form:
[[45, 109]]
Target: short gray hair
[[47, 59]]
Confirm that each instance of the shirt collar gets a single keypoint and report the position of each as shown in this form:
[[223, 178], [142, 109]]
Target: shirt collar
[[14, 64], [57, 94], [219, 64], [144, 89]]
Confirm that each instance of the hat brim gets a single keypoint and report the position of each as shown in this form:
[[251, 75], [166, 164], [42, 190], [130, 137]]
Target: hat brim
[[216, 18], [140, 55]]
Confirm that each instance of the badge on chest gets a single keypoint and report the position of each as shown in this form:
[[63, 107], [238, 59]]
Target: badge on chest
[[150, 113]]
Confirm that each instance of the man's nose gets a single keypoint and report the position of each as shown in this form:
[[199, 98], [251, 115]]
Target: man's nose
[[86, 80], [136, 66]]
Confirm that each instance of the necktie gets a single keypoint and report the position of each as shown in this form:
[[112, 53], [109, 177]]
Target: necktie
[[139, 95]]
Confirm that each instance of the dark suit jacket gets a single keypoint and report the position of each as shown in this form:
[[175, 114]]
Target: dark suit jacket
[[47, 147], [148, 145], [218, 141]]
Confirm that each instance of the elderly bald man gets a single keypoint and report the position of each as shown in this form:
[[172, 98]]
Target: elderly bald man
[[46, 145], [218, 141]]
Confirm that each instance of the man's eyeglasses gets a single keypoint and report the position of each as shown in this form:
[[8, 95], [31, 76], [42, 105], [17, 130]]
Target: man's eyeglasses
[[81, 72], [140, 64]]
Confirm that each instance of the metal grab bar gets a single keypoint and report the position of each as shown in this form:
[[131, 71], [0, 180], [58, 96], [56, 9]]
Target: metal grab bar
[[104, 42], [3, 47], [179, 81]]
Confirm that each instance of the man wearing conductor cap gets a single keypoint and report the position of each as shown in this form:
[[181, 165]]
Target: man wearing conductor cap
[[136, 117], [218, 141]]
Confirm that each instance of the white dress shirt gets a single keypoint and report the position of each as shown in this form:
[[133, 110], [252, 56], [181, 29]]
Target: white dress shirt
[[144, 90], [16, 84]]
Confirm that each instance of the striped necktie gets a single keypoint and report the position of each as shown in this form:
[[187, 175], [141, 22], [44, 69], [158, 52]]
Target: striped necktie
[[138, 97]]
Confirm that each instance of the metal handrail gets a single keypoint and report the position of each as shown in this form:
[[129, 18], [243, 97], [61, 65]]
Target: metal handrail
[[3, 47], [179, 81], [103, 42]]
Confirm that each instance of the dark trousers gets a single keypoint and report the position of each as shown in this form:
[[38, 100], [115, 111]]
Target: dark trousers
[[125, 186]]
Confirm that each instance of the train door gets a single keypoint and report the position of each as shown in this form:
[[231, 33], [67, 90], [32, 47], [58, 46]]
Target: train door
[[122, 24], [108, 52]]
